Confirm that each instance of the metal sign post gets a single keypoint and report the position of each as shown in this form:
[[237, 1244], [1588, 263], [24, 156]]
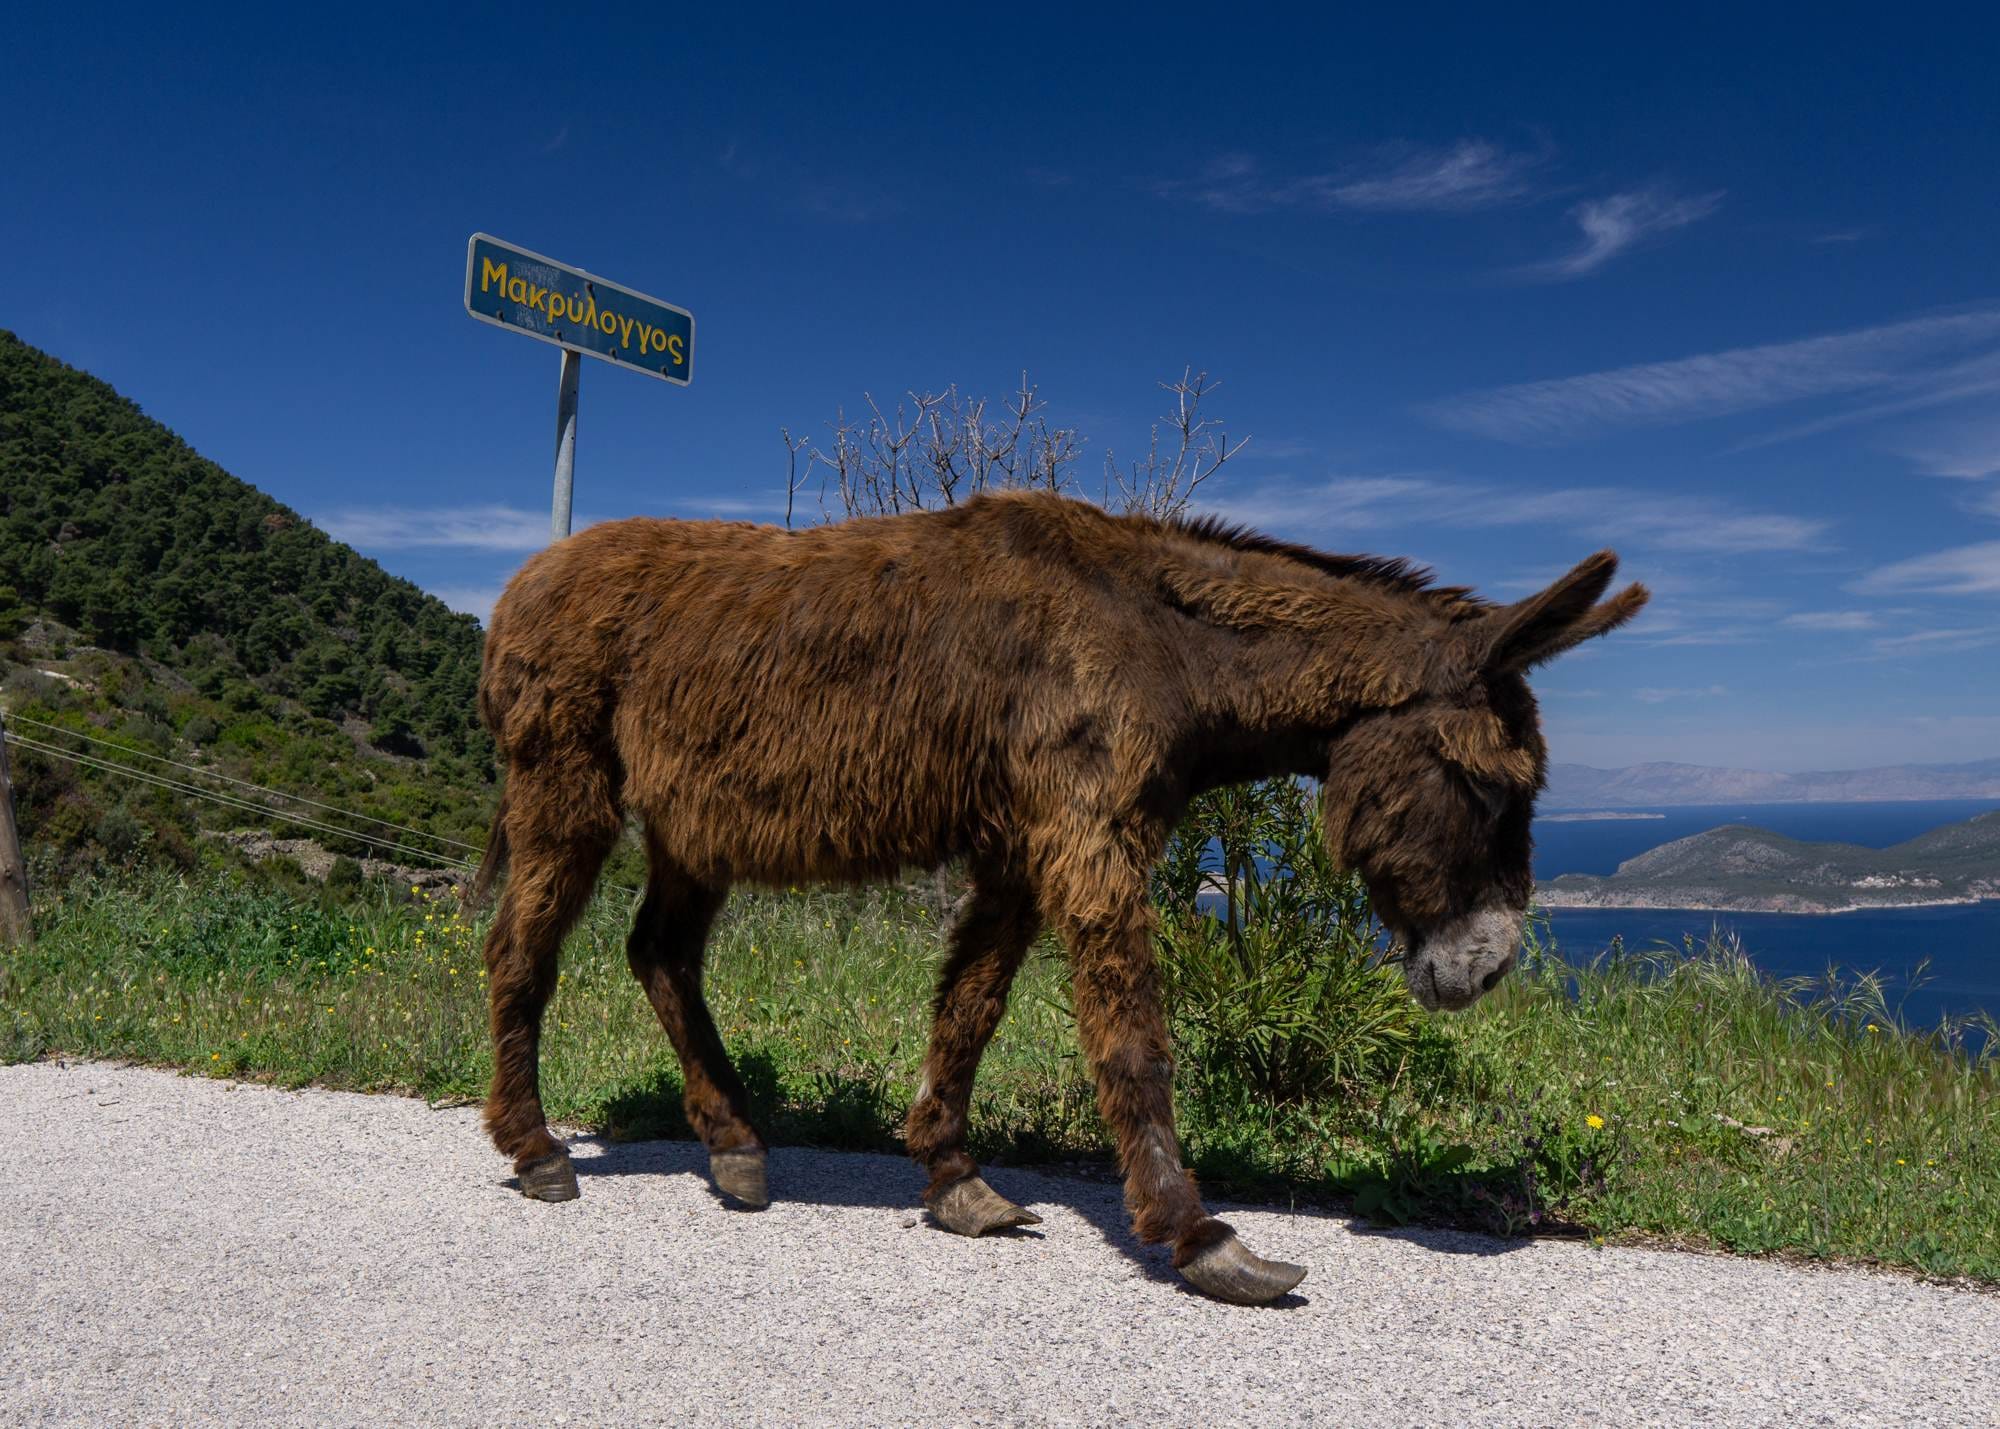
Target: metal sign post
[[580, 313], [572, 369]]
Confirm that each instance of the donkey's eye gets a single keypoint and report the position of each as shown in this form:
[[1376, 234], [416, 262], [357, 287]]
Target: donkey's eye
[[1492, 798]]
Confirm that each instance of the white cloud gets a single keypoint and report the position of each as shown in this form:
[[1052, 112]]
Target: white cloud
[[1612, 225], [1661, 697], [1963, 570], [1596, 735], [1739, 380], [1832, 620], [478, 528], [1403, 178], [1599, 513]]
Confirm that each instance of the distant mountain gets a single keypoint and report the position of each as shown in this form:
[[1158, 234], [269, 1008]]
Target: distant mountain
[[1577, 786], [1751, 870]]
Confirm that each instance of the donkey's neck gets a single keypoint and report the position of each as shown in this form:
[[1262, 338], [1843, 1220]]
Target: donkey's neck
[[1268, 695]]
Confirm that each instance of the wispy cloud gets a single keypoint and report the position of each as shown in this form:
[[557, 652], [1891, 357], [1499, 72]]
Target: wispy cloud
[[1401, 178], [813, 192], [1472, 173], [1832, 620], [735, 508], [476, 601], [1962, 570], [1345, 503], [1622, 221], [478, 528], [1933, 642], [834, 203], [1968, 450], [1718, 383], [1652, 696], [1358, 503], [560, 138], [1931, 387]]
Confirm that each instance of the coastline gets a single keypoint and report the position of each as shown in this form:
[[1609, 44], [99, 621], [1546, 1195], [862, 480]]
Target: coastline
[[1683, 906]]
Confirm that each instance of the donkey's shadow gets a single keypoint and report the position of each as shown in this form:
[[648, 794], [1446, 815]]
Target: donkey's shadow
[[651, 1137], [880, 1182]]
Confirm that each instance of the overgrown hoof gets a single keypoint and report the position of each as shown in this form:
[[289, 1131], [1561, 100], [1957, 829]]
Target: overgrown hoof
[[968, 1206], [740, 1176], [548, 1178], [1228, 1271]]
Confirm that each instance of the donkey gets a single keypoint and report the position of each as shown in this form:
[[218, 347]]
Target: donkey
[[1038, 688]]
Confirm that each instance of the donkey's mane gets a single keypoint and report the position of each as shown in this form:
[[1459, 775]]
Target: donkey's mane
[[1398, 574]]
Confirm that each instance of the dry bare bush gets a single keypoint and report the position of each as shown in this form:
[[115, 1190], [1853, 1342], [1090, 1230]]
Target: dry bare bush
[[936, 449]]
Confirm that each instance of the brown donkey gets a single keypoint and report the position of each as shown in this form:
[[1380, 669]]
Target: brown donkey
[[1034, 686]]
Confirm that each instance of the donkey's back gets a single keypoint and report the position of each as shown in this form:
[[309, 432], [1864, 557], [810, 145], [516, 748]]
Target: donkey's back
[[778, 705]]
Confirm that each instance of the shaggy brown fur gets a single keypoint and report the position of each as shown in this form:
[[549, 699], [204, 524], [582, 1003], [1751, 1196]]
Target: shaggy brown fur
[[1023, 682]]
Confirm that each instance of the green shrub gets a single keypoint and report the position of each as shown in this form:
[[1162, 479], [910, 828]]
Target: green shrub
[[119, 833], [1271, 960]]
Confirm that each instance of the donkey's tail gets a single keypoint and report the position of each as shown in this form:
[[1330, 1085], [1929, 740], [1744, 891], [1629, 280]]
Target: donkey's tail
[[493, 862]]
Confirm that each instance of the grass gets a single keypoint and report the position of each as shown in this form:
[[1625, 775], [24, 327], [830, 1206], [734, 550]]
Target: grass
[[1676, 1094]]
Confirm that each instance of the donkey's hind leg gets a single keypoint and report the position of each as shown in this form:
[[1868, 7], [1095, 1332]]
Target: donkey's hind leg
[[990, 936], [665, 951], [559, 829]]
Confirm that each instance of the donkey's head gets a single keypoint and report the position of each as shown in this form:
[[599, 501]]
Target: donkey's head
[[1430, 801]]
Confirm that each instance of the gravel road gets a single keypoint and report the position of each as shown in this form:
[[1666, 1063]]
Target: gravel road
[[182, 1251]]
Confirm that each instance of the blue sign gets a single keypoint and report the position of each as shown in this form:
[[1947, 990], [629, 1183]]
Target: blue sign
[[513, 288]]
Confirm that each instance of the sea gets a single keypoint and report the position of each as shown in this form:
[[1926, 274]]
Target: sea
[[1935, 962]]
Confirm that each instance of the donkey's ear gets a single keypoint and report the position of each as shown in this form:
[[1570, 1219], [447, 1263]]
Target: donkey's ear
[[1565, 615]]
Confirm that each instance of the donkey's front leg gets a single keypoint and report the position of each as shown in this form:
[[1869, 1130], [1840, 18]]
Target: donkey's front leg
[[1124, 1034]]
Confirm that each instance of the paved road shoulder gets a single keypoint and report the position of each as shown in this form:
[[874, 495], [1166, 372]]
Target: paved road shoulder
[[176, 1250]]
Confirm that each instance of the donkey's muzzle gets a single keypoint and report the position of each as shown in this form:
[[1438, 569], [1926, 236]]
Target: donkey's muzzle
[[1462, 961]]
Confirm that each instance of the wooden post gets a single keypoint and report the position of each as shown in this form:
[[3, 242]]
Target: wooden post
[[15, 929]]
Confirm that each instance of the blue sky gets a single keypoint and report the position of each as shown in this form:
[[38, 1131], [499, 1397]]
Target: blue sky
[[1714, 287]]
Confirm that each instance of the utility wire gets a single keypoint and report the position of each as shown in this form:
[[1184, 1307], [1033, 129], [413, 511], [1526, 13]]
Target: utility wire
[[243, 783], [251, 806], [231, 801]]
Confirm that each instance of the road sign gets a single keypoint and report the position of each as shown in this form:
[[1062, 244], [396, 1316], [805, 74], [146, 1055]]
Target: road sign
[[578, 312], [513, 288]]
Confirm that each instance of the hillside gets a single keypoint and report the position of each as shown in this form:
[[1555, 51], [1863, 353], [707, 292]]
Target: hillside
[[155, 602], [1746, 869], [1578, 786]]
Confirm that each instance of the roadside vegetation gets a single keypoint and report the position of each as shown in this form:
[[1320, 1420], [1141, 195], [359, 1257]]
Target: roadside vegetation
[[163, 623], [1672, 1094]]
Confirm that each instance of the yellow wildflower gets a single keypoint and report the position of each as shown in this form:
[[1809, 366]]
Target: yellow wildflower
[[1593, 1121]]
